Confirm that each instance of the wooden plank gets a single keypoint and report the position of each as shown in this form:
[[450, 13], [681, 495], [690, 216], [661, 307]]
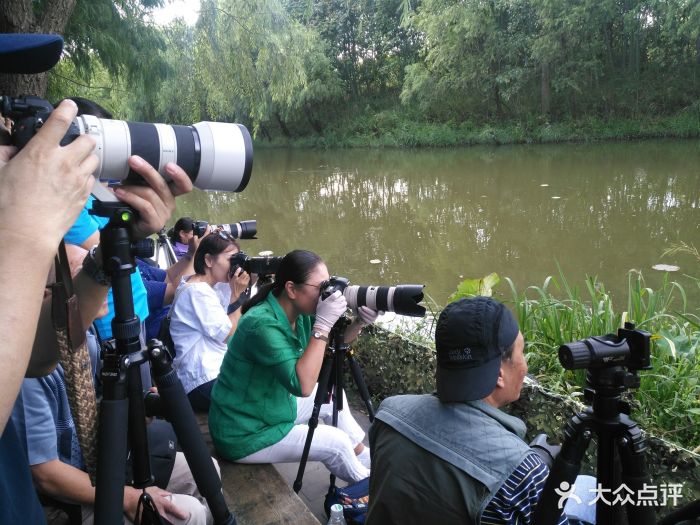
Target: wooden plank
[[257, 494]]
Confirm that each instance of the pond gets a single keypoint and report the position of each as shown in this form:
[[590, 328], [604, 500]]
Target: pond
[[437, 216]]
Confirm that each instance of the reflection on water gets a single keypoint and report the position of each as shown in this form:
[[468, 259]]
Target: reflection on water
[[437, 216]]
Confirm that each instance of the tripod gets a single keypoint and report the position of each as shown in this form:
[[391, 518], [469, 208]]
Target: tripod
[[620, 459], [330, 383], [164, 254], [122, 416]]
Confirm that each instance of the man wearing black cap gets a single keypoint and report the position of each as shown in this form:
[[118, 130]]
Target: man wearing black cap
[[453, 456]]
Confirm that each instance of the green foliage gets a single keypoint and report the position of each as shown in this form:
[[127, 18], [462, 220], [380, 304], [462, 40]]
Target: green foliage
[[504, 58], [669, 397], [398, 72], [115, 35], [259, 65], [475, 287]]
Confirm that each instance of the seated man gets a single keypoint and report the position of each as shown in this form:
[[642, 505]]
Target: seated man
[[45, 426], [453, 456]]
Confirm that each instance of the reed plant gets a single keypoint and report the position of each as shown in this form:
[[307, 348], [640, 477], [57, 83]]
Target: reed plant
[[668, 400]]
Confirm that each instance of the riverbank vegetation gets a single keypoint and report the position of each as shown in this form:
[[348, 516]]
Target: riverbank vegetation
[[387, 72], [667, 402]]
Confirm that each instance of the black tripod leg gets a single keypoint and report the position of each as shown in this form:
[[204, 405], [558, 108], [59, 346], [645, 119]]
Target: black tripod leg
[[178, 411], [566, 467], [356, 372], [632, 449], [321, 393], [138, 436], [112, 444]]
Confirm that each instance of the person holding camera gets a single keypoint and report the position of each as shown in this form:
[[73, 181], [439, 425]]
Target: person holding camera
[[180, 236], [47, 185], [454, 456], [205, 313], [267, 383]]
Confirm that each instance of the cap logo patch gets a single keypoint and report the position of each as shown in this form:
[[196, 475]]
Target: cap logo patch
[[460, 354]]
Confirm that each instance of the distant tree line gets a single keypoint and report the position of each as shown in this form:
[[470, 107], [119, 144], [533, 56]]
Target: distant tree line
[[293, 68]]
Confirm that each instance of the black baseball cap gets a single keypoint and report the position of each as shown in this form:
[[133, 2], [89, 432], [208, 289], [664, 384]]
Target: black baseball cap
[[28, 53], [470, 339]]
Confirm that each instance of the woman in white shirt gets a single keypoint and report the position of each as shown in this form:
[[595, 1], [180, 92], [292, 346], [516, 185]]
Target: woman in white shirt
[[205, 314]]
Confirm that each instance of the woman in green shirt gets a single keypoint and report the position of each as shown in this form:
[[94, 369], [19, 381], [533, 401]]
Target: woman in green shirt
[[267, 383]]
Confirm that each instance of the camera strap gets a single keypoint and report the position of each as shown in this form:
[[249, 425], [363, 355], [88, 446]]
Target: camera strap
[[65, 311], [75, 360]]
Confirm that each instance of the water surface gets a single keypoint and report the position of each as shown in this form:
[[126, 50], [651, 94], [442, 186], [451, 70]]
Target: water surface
[[440, 215]]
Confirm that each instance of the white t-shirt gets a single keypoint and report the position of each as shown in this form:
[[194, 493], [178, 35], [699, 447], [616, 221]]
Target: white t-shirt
[[199, 327]]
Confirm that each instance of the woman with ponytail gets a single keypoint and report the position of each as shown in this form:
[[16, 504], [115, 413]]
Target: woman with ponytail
[[266, 387]]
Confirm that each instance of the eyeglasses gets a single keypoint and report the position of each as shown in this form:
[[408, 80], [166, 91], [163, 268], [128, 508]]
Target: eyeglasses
[[319, 286]]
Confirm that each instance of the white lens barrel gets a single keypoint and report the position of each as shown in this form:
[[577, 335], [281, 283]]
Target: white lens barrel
[[226, 156], [216, 155], [112, 145]]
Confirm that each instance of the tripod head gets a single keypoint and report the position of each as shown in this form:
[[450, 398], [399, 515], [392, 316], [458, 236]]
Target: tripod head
[[611, 363]]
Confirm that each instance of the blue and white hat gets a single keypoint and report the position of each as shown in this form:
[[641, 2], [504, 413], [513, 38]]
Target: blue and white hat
[[25, 53]]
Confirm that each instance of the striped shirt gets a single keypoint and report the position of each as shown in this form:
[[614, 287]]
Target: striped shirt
[[516, 500]]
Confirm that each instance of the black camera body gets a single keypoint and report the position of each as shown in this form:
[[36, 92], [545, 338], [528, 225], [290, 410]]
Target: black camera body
[[262, 266], [630, 348], [28, 115], [333, 285], [238, 230], [402, 299]]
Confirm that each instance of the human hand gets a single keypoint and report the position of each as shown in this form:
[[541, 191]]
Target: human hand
[[46, 184], [155, 202], [329, 310], [161, 498], [366, 316], [192, 245], [238, 282]]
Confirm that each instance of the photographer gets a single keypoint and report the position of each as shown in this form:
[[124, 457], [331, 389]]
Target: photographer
[[266, 387], [453, 456], [47, 185], [205, 313], [45, 425], [180, 236]]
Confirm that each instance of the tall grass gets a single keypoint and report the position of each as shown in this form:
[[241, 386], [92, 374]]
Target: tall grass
[[668, 400]]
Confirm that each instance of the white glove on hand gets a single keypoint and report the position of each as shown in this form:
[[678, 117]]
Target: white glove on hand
[[366, 316], [329, 310]]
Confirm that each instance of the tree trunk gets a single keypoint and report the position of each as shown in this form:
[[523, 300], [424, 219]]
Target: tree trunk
[[545, 90], [315, 123], [497, 100], [17, 16], [283, 126]]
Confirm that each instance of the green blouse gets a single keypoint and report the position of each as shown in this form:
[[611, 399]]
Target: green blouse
[[253, 403]]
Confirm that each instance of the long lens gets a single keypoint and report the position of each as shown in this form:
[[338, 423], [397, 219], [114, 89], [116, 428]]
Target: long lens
[[594, 352], [402, 299], [241, 230], [262, 265], [215, 155]]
